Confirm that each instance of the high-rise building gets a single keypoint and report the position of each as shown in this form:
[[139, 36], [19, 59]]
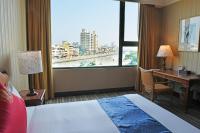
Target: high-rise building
[[94, 43], [85, 40]]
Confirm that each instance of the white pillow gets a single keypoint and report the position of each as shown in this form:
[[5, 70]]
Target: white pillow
[[13, 90]]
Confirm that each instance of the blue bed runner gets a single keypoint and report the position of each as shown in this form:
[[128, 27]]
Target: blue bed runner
[[129, 118]]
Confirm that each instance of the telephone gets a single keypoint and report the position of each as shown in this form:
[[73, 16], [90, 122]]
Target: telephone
[[183, 71]]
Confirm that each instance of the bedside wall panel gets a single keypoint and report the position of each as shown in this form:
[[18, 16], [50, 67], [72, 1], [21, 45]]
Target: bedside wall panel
[[12, 39]]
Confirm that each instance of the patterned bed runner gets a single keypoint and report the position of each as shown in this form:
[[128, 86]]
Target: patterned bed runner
[[129, 118]]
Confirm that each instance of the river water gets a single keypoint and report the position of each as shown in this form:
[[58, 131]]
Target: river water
[[100, 61]]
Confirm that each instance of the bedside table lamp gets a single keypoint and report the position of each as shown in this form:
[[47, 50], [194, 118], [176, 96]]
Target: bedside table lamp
[[30, 63], [164, 52]]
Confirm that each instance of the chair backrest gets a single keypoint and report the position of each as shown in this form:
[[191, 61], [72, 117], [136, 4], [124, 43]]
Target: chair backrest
[[147, 79]]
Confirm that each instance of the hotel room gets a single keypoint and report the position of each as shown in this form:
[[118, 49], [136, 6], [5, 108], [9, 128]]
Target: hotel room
[[99, 66]]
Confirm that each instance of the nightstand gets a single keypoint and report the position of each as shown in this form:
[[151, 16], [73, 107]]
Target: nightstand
[[39, 99]]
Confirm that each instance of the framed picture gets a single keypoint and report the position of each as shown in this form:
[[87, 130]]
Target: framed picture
[[189, 34]]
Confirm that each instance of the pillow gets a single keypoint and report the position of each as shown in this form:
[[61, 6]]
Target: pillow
[[4, 95], [13, 117], [4, 79], [13, 90]]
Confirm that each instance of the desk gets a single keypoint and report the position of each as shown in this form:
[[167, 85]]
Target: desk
[[186, 81]]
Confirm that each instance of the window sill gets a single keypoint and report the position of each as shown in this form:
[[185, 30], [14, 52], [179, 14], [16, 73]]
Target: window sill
[[100, 67]]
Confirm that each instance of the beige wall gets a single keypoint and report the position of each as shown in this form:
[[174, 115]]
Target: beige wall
[[12, 38], [90, 79], [170, 31]]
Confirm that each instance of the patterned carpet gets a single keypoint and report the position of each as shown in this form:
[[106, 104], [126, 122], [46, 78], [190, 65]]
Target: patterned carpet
[[193, 115]]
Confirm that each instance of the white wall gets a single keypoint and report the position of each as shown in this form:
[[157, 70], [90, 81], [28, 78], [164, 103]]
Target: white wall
[[12, 38], [79, 79]]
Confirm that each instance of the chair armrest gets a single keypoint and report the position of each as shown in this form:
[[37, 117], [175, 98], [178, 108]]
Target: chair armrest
[[155, 69]]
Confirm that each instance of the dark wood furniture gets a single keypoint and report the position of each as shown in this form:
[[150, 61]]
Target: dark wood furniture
[[186, 81], [33, 100]]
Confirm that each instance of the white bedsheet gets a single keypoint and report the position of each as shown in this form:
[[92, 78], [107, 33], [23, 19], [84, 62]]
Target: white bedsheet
[[77, 117], [166, 118], [89, 117], [30, 112]]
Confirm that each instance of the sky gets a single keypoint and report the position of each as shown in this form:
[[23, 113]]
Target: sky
[[69, 17]]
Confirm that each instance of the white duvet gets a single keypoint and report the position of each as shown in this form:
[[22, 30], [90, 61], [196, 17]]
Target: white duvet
[[89, 117]]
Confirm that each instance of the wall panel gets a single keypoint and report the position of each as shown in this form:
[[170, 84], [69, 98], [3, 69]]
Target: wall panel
[[171, 17], [81, 79], [12, 39]]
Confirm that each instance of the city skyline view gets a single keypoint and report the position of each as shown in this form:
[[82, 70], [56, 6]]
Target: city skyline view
[[70, 17], [86, 33]]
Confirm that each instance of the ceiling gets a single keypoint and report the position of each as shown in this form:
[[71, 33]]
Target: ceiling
[[159, 3]]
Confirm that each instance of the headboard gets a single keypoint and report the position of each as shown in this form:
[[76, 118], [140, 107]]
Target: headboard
[[3, 71]]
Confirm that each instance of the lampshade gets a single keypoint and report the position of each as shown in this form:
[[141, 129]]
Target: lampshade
[[30, 62], [164, 51]]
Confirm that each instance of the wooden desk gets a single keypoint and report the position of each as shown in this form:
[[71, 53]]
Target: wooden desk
[[186, 81]]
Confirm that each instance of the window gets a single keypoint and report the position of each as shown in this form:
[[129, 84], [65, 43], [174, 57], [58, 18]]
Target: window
[[129, 56], [131, 23], [85, 33]]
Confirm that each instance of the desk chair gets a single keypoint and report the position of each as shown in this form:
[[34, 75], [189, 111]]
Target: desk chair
[[152, 87]]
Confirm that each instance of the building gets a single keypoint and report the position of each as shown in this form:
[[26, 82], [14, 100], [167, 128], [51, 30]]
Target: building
[[85, 40], [59, 51], [89, 42], [94, 43], [75, 44], [69, 48]]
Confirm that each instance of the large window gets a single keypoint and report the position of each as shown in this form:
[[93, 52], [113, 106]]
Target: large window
[[94, 33]]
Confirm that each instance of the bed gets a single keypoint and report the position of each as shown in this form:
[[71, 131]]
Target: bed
[[89, 117]]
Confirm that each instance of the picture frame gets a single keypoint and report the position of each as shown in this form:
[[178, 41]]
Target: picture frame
[[189, 36]]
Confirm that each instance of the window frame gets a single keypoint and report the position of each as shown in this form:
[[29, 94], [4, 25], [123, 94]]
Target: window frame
[[122, 42]]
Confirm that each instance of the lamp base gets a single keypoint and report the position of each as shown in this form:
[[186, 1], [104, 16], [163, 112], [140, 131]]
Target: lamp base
[[163, 63], [31, 86], [32, 93]]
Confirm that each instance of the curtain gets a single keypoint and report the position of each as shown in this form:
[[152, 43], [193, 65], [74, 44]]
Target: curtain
[[149, 38], [39, 38]]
